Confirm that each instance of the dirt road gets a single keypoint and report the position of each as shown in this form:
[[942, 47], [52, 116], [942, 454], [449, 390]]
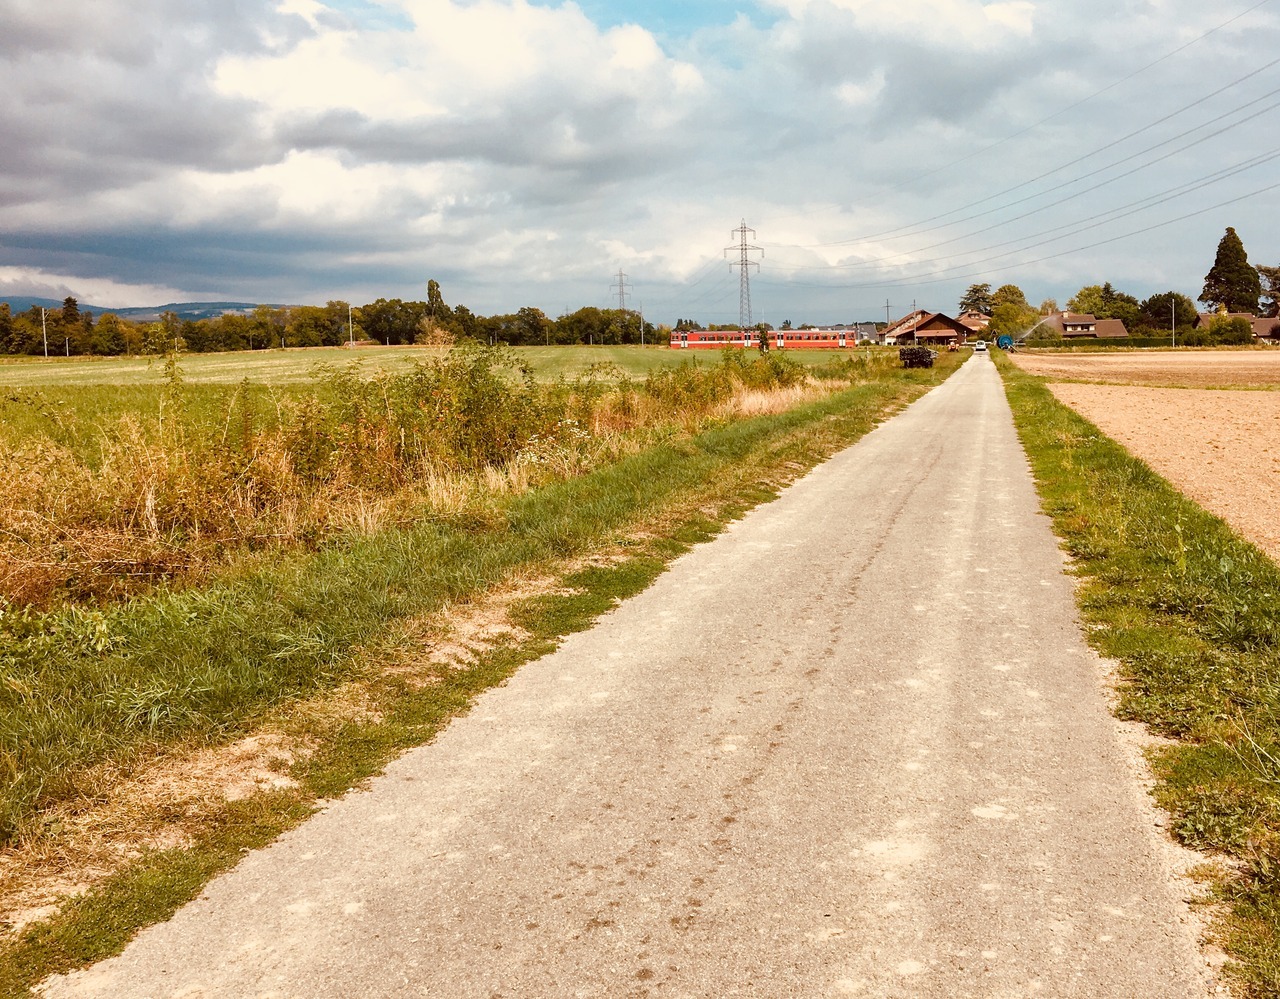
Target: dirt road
[[854, 746]]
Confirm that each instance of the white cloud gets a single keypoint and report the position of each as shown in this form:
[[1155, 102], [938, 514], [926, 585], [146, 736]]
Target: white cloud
[[936, 22], [104, 292]]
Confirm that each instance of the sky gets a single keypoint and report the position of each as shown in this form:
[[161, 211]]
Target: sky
[[525, 153]]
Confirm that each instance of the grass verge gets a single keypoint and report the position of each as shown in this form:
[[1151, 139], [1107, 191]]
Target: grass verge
[[215, 663], [1188, 611]]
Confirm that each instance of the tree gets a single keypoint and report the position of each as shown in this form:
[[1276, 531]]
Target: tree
[[1231, 282], [1048, 307], [1008, 294], [108, 336], [1086, 301], [1270, 277], [317, 326], [465, 322], [977, 299], [531, 326], [70, 311], [1232, 330], [6, 329], [392, 322], [1104, 302], [1167, 310], [436, 308]]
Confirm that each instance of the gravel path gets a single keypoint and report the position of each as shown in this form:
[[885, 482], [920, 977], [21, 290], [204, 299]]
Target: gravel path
[[854, 746]]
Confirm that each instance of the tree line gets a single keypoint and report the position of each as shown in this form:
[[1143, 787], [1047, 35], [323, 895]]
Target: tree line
[[1233, 288], [71, 331]]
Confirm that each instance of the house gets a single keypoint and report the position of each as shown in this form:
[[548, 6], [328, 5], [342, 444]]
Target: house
[[921, 327], [1264, 327], [977, 322], [1072, 325]]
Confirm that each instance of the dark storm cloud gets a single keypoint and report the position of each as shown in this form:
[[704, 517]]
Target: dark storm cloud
[[99, 96]]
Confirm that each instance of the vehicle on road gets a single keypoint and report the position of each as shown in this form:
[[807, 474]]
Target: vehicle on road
[[980, 347]]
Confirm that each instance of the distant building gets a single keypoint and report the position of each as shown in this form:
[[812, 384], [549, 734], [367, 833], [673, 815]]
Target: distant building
[[921, 327], [1081, 325], [976, 322], [1264, 327]]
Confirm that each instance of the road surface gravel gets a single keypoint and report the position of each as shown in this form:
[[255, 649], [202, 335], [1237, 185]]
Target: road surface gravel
[[853, 746]]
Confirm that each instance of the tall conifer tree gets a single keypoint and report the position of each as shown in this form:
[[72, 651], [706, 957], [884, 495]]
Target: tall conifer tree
[[1231, 281]]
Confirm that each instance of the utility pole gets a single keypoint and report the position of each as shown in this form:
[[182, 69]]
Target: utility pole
[[1173, 321], [44, 331], [887, 318], [744, 263], [642, 324], [351, 328]]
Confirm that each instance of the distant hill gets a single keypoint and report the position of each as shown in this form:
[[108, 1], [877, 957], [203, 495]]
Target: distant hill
[[186, 310]]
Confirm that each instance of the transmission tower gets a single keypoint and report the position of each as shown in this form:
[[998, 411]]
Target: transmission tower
[[744, 263], [621, 289]]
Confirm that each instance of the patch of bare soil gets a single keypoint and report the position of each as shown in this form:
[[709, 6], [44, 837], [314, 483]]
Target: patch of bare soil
[[159, 806], [1180, 368], [1220, 448]]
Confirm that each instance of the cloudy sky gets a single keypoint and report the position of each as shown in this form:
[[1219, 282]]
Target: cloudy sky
[[522, 152]]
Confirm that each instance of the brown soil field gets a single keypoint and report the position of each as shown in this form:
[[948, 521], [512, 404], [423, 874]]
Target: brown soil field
[[1175, 368], [1220, 448]]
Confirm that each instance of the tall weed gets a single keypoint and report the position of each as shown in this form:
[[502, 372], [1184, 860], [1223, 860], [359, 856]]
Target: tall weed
[[168, 495]]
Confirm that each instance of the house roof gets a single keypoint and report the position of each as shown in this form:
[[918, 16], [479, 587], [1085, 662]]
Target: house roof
[[1111, 327], [1093, 326], [922, 322]]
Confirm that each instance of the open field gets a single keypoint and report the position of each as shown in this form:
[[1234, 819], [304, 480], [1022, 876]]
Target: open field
[[283, 367], [1220, 448], [1229, 368]]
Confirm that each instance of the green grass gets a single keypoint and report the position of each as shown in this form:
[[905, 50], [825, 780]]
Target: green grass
[[210, 664], [1189, 612], [74, 401], [283, 367]]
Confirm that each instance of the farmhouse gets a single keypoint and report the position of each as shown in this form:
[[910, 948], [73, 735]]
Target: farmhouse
[[977, 322], [921, 327], [1070, 325]]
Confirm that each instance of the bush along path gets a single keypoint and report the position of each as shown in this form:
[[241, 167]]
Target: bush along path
[[1190, 613], [104, 691]]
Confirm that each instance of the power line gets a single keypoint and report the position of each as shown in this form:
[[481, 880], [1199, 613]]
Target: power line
[[923, 226], [1111, 215], [1097, 93], [935, 279], [951, 162]]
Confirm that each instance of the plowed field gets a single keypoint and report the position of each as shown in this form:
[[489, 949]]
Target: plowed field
[[1221, 448], [1186, 368]]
